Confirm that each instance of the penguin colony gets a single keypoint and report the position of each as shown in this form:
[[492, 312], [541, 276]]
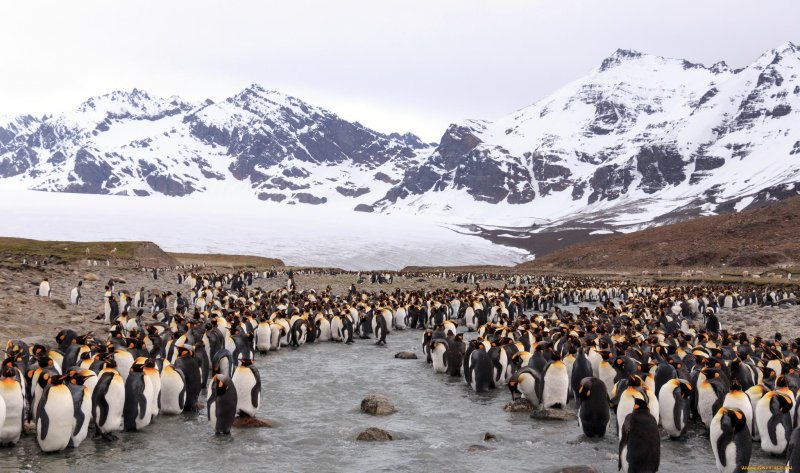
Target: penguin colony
[[649, 356]]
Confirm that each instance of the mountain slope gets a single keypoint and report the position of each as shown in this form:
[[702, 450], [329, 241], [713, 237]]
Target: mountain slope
[[131, 143], [758, 237], [641, 134]]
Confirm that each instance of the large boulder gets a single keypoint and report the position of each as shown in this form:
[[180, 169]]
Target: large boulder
[[377, 405]]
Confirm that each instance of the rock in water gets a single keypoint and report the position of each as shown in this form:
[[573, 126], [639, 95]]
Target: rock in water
[[477, 449], [377, 405], [489, 436], [520, 405], [406, 355], [374, 434], [251, 423], [553, 414]]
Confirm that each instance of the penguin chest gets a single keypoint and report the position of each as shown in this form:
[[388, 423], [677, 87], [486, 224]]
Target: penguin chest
[[54, 433], [438, 358], [556, 386], [11, 396]]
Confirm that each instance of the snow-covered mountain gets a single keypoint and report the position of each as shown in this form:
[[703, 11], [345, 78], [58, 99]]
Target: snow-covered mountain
[[641, 140], [131, 143]]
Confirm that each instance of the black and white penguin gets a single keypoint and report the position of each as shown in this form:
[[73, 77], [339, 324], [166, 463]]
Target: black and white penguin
[[108, 401], [137, 412], [455, 354], [556, 384], [730, 440], [75, 294], [438, 353], [173, 390], [247, 380], [481, 370], [674, 399], [529, 383], [639, 443], [593, 412], [774, 419], [263, 334], [44, 288], [82, 403], [192, 376], [55, 419], [221, 404], [581, 368], [793, 452], [12, 402], [379, 328]]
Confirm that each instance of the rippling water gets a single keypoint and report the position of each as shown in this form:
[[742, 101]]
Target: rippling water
[[313, 396]]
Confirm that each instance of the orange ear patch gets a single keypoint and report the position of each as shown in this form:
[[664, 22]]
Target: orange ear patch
[[220, 384], [588, 393], [739, 415]]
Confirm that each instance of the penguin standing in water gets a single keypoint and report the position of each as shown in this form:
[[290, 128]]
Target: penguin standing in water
[[12, 404], [730, 440], [247, 380], [188, 365], [455, 355], [55, 419], [379, 328], [137, 412], [82, 402], [593, 413], [482, 370], [108, 401], [173, 390], [439, 355], [556, 384], [221, 405], [75, 294], [529, 383], [640, 443], [674, 399]]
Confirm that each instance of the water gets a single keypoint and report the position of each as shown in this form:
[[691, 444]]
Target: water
[[313, 394]]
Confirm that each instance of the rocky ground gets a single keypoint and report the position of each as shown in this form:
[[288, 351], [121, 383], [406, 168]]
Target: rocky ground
[[25, 315]]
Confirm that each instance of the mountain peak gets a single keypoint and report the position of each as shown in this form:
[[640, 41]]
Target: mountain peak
[[618, 57]]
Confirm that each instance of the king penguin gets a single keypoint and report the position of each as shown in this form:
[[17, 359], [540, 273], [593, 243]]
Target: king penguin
[[221, 404]]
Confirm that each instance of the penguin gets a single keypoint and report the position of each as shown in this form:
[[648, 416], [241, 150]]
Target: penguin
[[530, 384], [593, 412], [556, 384], [137, 412], [438, 351], [82, 404], [75, 294], [55, 419], [191, 375], [710, 395], [793, 452], [730, 440], [44, 288], [247, 380], [379, 328], [773, 416], [455, 355], [674, 400], [581, 368], [737, 399], [108, 402], [263, 334], [481, 371], [151, 372], [221, 404], [173, 390], [12, 404], [640, 443]]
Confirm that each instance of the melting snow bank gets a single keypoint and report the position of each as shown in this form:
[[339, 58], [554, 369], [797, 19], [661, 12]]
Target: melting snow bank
[[239, 224]]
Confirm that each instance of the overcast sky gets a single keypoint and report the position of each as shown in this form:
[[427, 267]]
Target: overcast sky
[[411, 65]]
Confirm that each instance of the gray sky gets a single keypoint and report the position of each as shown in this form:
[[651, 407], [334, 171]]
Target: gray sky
[[412, 65]]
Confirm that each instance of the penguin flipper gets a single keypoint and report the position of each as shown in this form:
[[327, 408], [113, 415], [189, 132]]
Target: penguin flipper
[[771, 429], [44, 422], [255, 393]]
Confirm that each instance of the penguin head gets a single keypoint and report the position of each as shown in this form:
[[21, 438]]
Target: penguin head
[[55, 380], [585, 389], [640, 404], [732, 420], [246, 362], [513, 387], [784, 402]]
